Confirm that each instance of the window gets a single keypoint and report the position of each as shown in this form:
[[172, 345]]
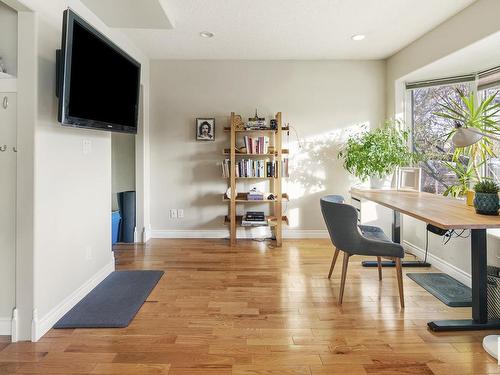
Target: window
[[429, 134], [493, 164]]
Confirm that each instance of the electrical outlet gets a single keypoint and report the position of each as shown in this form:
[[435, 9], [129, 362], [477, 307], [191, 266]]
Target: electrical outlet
[[88, 253], [180, 213], [173, 213], [86, 146]]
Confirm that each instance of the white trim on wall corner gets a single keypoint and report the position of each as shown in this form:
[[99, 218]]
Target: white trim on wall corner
[[439, 263], [40, 326], [216, 233], [146, 235], [5, 326]]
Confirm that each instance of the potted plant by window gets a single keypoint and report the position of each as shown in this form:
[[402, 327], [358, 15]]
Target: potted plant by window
[[466, 112], [377, 153], [486, 198]]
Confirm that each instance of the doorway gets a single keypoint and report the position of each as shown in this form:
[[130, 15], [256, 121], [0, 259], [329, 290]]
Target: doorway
[[123, 188]]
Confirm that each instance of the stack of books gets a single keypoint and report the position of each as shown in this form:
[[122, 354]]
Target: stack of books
[[255, 168], [254, 219], [257, 145], [254, 124], [254, 195]]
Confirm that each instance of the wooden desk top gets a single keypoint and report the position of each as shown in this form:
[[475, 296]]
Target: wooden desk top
[[443, 212]]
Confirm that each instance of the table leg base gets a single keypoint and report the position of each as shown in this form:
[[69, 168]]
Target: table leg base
[[462, 325]]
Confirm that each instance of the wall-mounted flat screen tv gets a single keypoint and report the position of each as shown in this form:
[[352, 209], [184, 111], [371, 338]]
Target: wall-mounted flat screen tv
[[98, 83]]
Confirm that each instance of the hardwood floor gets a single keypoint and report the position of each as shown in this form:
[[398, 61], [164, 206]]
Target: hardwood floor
[[254, 309]]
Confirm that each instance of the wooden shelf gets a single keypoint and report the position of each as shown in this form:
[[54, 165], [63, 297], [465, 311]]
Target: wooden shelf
[[241, 198], [227, 153], [228, 129], [277, 154], [271, 220]]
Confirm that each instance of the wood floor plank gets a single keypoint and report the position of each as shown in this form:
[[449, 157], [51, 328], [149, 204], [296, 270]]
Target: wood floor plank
[[253, 309]]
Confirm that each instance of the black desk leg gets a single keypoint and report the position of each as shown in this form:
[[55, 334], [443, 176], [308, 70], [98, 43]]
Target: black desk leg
[[479, 292]]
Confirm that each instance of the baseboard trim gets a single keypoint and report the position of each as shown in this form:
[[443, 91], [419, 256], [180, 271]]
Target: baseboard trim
[[40, 326], [439, 263], [241, 233], [5, 326]]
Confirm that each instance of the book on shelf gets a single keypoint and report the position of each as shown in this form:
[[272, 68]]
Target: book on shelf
[[254, 219], [255, 124], [255, 168], [254, 216], [256, 145]]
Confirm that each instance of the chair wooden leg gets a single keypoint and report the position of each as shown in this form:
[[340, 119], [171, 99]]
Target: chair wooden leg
[[379, 265], [334, 260], [399, 275], [345, 263]]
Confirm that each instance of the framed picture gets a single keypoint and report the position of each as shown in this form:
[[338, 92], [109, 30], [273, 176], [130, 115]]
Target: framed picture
[[205, 129], [409, 179]]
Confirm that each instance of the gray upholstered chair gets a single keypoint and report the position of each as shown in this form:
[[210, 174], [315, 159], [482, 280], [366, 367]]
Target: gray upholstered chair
[[342, 222]]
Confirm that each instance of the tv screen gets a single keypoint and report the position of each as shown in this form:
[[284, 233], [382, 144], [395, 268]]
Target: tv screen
[[98, 82]]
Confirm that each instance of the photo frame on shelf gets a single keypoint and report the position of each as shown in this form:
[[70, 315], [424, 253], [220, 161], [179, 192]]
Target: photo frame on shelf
[[409, 178], [205, 129]]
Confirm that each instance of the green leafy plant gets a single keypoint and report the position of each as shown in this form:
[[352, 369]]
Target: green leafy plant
[[465, 175], [486, 186], [377, 152], [467, 112]]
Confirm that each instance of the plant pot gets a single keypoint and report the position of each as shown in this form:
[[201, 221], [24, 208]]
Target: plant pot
[[486, 203], [381, 183]]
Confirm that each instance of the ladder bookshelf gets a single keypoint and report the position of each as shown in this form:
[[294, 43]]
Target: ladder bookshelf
[[276, 219]]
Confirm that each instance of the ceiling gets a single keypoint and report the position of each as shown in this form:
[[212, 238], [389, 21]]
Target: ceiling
[[288, 29], [132, 14], [476, 57]]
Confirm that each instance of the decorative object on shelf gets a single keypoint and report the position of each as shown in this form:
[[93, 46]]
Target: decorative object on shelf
[[486, 199], [376, 154], [2, 66], [239, 124], [228, 193], [273, 124], [409, 178], [475, 125], [205, 129]]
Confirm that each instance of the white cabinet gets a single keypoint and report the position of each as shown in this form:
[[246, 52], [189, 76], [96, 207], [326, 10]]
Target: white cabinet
[[371, 213], [8, 156]]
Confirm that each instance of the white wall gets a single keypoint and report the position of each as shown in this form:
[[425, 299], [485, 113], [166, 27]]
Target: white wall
[[8, 38], [122, 165], [471, 25], [322, 100], [72, 242]]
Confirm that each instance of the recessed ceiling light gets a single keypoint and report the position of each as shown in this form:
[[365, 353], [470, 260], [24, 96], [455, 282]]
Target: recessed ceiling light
[[358, 37], [206, 34]]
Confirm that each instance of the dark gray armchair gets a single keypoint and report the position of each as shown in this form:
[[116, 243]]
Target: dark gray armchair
[[342, 222]]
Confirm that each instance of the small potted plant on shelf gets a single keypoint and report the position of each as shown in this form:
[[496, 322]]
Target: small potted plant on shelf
[[377, 153], [486, 198]]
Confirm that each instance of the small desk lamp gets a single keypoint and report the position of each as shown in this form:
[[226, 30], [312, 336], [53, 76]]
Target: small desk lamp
[[464, 137]]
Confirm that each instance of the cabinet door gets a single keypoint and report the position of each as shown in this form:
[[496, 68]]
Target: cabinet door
[[8, 141]]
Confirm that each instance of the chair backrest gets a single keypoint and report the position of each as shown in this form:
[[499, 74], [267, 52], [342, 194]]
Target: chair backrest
[[342, 222], [334, 198]]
